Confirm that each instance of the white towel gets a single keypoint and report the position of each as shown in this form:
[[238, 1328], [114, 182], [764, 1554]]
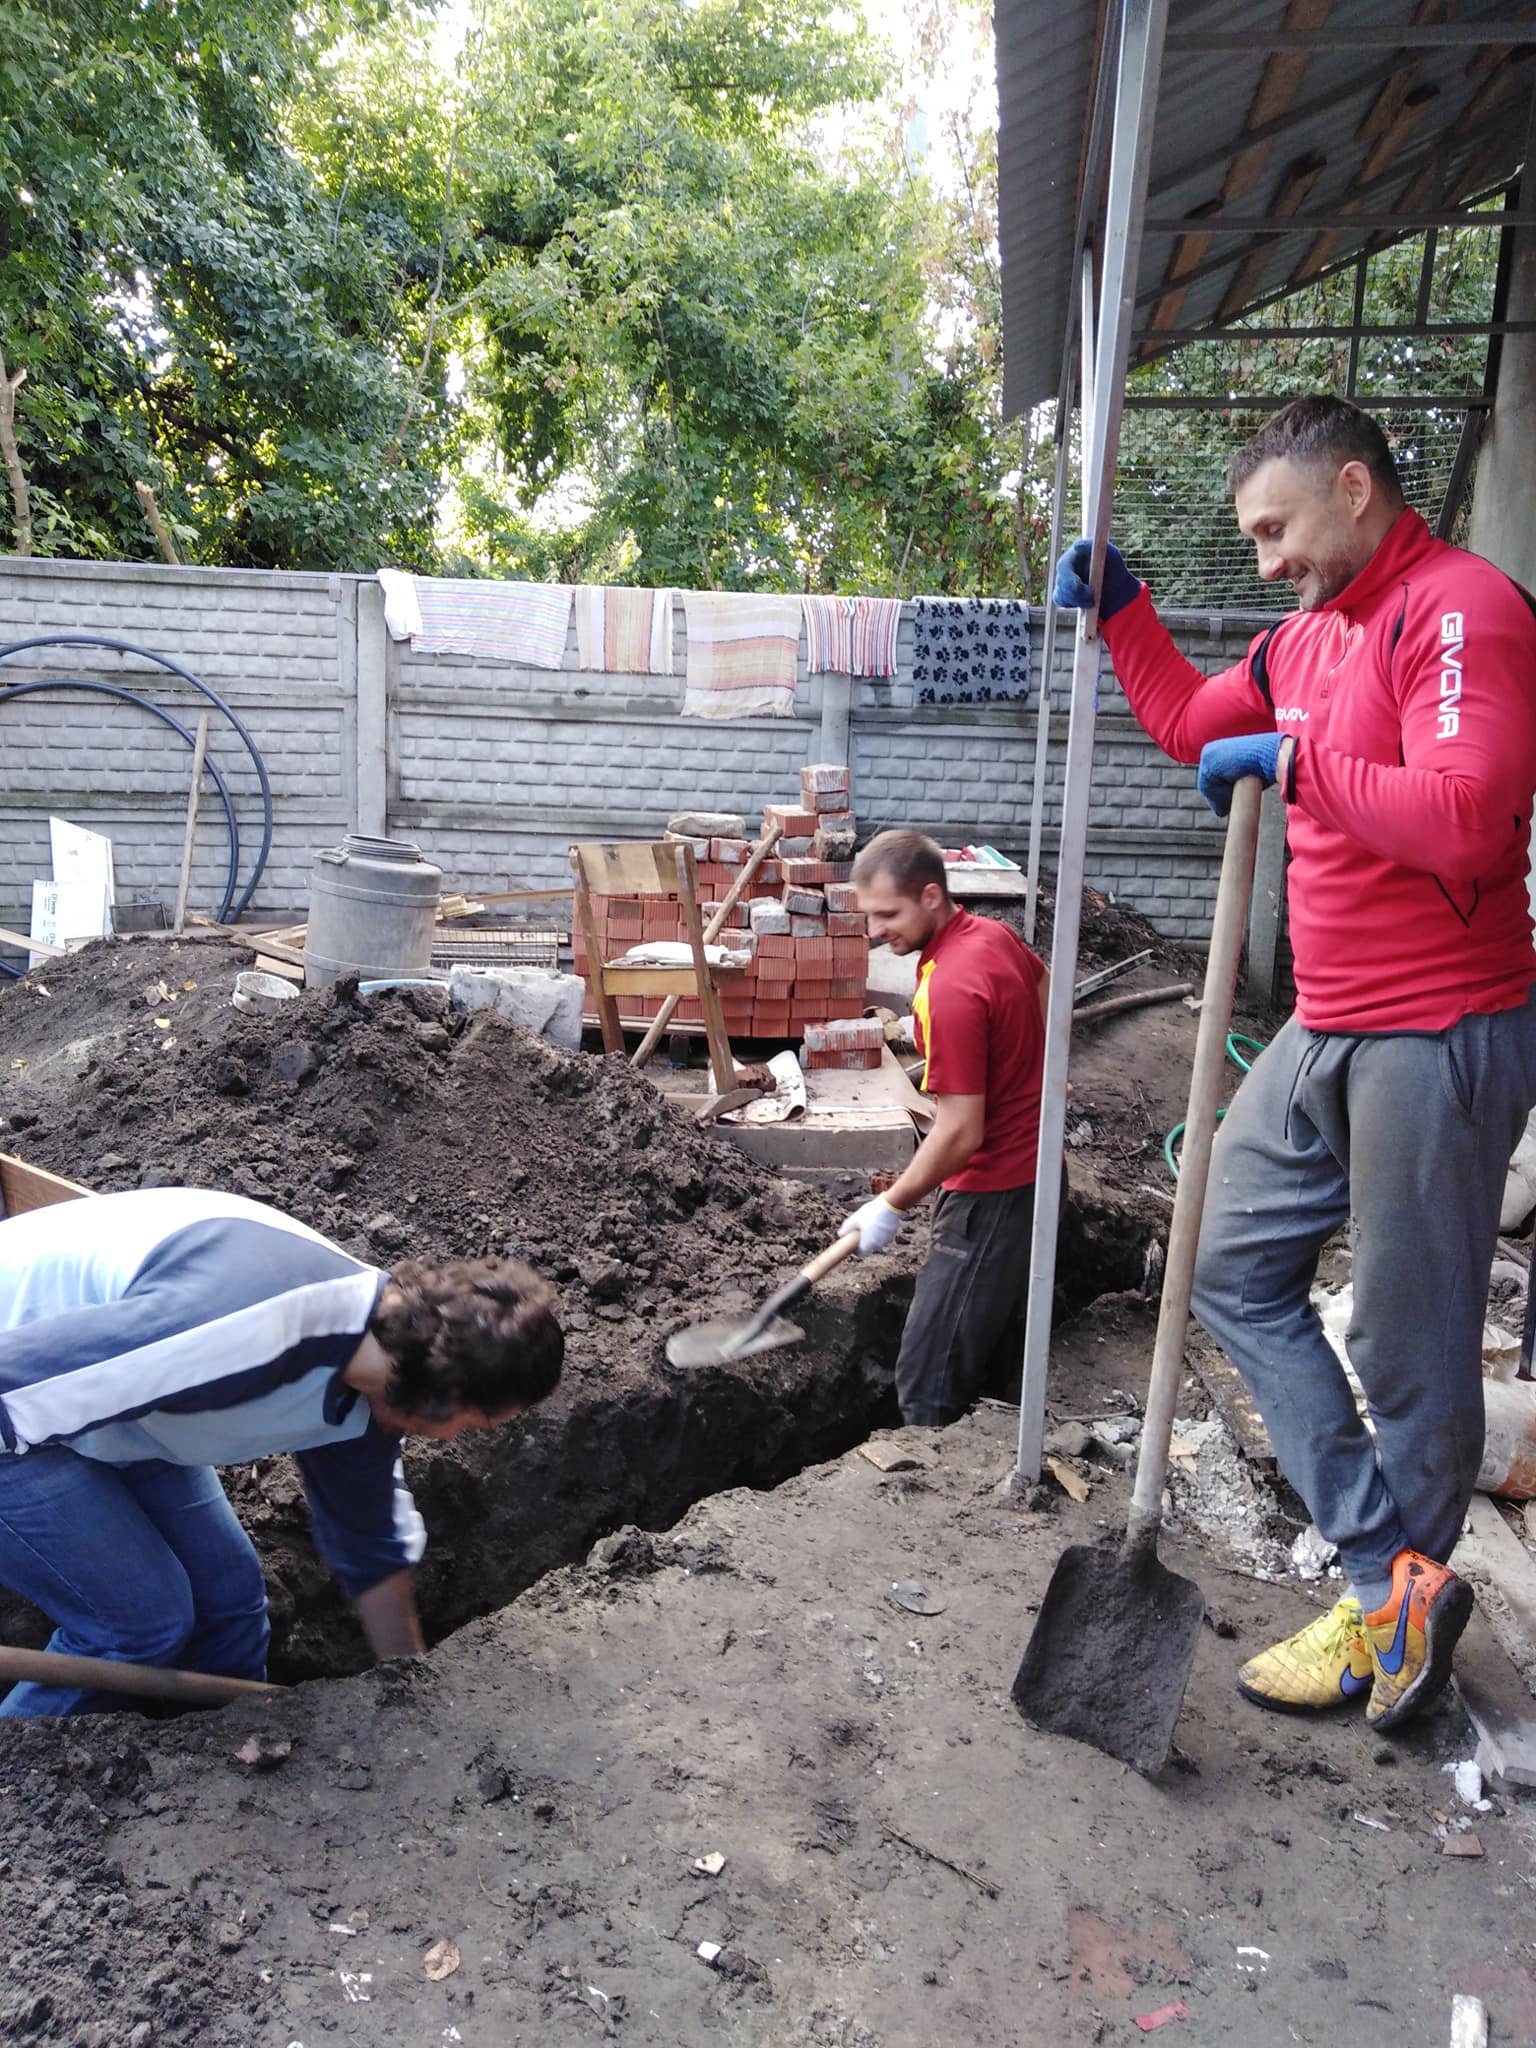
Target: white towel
[[742, 653], [521, 623], [625, 632]]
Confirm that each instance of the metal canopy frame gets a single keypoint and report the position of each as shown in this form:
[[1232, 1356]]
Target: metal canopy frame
[[1130, 39]]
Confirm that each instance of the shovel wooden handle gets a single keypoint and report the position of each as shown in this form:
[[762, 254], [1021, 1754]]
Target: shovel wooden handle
[[1195, 1159], [143, 1681], [833, 1256]]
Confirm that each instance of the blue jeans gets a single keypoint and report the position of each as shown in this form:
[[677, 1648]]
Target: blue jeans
[[1407, 1137], [145, 1563]]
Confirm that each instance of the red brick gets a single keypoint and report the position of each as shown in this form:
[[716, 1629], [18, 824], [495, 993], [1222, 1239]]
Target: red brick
[[846, 924], [845, 1006], [850, 956], [795, 822], [846, 985], [775, 946], [842, 896], [774, 967], [814, 955]]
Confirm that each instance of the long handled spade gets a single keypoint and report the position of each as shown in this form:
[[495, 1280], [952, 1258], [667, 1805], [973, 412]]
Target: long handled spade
[[1117, 1632]]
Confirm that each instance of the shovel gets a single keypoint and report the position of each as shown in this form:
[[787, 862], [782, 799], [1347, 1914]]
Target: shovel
[[1116, 1635], [721, 1342]]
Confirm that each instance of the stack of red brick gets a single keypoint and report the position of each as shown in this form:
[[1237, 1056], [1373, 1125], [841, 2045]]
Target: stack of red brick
[[807, 946]]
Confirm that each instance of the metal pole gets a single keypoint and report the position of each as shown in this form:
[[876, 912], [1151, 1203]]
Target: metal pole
[[1047, 665], [1058, 509], [1093, 172], [1143, 26]]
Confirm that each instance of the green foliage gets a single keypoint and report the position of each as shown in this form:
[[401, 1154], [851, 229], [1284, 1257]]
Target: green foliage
[[187, 309]]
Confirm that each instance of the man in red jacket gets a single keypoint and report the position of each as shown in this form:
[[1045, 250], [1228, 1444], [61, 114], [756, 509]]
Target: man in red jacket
[[979, 1011], [1396, 710]]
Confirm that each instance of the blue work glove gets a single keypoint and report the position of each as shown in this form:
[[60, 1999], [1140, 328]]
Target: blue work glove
[[1075, 593], [1225, 762]]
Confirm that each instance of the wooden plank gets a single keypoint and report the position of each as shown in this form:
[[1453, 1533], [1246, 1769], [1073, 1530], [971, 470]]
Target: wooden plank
[[189, 836], [1492, 1556], [10, 938], [1498, 1703], [1234, 1404], [638, 868], [655, 981], [24, 1187]]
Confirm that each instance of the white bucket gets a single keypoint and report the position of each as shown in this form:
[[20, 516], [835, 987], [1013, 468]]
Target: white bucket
[[257, 991]]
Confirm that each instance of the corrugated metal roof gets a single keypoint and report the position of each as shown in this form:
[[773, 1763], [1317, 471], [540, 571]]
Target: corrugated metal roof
[[1357, 126]]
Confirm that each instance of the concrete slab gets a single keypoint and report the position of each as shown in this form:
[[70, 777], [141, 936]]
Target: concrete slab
[[969, 883], [854, 1122]]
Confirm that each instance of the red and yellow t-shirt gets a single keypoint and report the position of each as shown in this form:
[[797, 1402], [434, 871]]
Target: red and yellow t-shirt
[[979, 1028]]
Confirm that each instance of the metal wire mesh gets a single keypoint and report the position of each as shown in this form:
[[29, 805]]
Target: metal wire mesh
[[1173, 518]]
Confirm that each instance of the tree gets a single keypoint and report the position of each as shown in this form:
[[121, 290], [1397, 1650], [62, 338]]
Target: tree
[[187, 308]]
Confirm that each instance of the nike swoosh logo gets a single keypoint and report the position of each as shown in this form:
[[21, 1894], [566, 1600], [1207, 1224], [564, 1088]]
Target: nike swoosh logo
[[1349, 1684], [1391, 1661]]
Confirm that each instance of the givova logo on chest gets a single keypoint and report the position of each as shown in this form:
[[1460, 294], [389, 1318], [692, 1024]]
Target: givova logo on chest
[[1452, 640]]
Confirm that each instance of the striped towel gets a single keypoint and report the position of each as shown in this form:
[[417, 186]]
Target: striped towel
[[851, 636], [524, 623], [626, 632], [741, 654]]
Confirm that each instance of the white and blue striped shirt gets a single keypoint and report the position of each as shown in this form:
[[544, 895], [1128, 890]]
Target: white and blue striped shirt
[[198, 1327]]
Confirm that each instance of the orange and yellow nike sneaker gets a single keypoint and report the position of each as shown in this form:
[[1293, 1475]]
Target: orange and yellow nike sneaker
[[1326, 1664], [1413, 1637]]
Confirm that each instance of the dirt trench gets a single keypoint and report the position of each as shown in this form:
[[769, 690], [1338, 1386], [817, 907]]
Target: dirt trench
[[402, 1130]]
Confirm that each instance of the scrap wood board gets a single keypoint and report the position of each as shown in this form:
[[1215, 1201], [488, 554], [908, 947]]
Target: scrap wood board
[[1233, 1402], [24, 1187]]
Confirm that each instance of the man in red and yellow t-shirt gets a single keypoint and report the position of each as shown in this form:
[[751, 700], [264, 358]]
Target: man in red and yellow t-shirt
[[979, 1012]]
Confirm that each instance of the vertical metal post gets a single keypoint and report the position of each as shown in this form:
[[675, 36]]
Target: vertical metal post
[[1047, 663], [1356, 317], [1143, 25]]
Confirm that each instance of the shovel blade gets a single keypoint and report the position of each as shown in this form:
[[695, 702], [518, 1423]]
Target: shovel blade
[[719, 1343], [1111, 1653]]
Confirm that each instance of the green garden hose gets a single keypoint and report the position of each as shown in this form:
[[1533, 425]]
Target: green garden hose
[[1234, 1040]]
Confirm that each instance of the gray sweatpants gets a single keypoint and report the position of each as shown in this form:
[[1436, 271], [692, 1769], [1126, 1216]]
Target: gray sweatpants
[[1408, 1135]]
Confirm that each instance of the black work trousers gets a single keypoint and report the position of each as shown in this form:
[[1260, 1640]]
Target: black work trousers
[[968, 1305]]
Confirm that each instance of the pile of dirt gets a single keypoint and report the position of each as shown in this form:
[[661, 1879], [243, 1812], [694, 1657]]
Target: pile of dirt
[[392, 1124], [1107, 932]]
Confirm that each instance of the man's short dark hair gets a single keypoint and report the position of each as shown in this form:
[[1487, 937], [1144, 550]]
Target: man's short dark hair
[[1320, 433], [910, 859], [468, 1333]]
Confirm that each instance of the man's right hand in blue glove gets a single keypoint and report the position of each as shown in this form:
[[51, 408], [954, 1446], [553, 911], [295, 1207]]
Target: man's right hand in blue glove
[[1073, 591]]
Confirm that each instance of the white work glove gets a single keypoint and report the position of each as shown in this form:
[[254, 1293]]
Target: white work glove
[[877, 1224]]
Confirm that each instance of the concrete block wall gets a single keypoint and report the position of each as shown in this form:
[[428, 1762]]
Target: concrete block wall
[[495, 769]]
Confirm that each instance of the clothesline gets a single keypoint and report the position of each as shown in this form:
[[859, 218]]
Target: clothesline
[[743, 647]]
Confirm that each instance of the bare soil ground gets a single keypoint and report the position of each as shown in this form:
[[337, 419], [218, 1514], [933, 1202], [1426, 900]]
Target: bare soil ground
[[906, 1862]]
